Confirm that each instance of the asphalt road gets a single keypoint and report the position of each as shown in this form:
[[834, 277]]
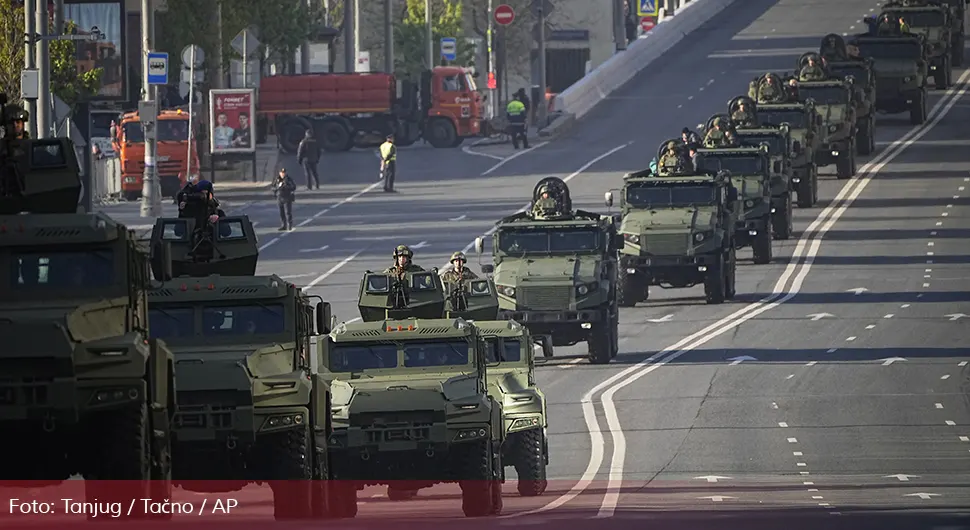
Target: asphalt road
[[833, 389]]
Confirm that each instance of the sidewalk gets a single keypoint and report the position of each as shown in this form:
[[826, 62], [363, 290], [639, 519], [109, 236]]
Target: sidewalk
[[240, 178]]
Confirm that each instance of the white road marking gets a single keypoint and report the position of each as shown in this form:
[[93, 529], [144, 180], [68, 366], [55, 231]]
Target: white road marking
[[938, 405], [870, 326], [508, 159], [850, 339], [793, 440], [468, 151], [782, 424], [334, 269], [945, 377], [951, 423]]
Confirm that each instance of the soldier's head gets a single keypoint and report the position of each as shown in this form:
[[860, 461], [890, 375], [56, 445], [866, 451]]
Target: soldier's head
[[17, 117], [458, 260], [717, 123], [402, 255], [671, 147], [685, 134]]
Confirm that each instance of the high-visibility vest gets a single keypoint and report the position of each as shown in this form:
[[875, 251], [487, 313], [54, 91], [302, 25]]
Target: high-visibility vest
[[388, 152], [515, 107]]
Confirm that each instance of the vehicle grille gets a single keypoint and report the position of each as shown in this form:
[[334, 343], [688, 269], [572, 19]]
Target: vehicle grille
[[396, 419], [538, 298], [666, 244], [164, 168]]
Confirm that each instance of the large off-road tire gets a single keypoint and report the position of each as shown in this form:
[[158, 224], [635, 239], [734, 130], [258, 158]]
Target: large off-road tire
[[714, 282], [731, 273], [529, 460], [288, 458], [917, 110], [630, 288], [845, 164], [805, 190], [603, 340], [942, 79], [959, 42], [440, 133], [761, 246], [320, 486], [335, 136], [865, 140], [781, 220], [342, 499], [121, 445], [477, 498]]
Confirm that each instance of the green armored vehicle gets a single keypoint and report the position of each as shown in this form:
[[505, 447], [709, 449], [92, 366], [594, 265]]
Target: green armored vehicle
[[555, 270], [958, 13], [510, 357], [932, 23], [678, 232], [749, 168], [840, 64], [84, 389], [901, 64], [411, 409], [251, 409], [835, 103]]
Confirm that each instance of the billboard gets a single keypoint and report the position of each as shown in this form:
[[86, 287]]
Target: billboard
[[231, 113], [107, 17]]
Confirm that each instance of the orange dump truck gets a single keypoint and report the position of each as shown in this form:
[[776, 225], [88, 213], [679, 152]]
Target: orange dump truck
[[170, 157], [345, 110]]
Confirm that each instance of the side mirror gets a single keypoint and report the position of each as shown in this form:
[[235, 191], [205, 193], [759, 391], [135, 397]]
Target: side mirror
[[488, 268], [608, 197], [479, 245], [325, 320]]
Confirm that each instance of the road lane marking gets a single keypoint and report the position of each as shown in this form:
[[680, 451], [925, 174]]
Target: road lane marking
[[504, 161]]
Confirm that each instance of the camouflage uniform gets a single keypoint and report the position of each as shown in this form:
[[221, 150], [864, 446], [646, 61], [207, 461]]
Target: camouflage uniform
[[452, 275], [812, 72], [770, 93], [403, 250], [545, 205], [719, 137], [744, 117], [670, 162]]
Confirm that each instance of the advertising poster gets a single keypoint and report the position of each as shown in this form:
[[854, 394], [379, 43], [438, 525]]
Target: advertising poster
[[230, 120], [105, 17]]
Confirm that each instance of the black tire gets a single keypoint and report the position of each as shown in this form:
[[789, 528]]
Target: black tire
[[476, 480], [629, 288], [335, 137], [289, 471], [845, 164], [781, 220], [943, 75], [864, 141], [342, 499], [602, 341], [121, 450], [958, 49], [806, 188], [917, 111], [714, 283], [731, 273], [321, 483], [440, 133], [291, 131], [529, 460], [761, 246]]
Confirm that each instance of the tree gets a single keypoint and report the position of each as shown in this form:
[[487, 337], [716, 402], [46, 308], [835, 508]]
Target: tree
[[67, 83], [410, 35]]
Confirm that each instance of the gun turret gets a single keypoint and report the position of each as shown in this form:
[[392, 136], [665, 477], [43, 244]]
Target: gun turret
[[180, 247], [39, 176], [423, 295]]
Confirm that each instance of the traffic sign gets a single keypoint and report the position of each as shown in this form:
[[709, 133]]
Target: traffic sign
[[647, 8], [192, 51], [157, 68], [449, 48], [245, 42], [647, 24], [504, 15]]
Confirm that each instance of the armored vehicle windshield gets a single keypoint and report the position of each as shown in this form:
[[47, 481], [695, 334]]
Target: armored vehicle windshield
[[775, 142], [522, 241], [797, 118], [823, 95], [890, 48], [670, 194], [735, 163], [433, 345], [424, 295]]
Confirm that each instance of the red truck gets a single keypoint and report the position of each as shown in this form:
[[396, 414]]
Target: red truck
[[345, 110]]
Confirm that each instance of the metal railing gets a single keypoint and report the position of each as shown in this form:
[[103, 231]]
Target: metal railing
[[106, 180]]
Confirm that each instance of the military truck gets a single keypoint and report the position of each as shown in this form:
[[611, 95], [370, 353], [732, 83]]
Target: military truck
[[804, 128], [251, 409], [835, 103], [678, 232], [932, 23], [510, 358], [749, 168], [555, 269], [411, 406], [901, 68], [85, 390], [840, 64], [958, 14]]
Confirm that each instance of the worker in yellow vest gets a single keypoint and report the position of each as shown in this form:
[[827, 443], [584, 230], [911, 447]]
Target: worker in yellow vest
[[515, 111]]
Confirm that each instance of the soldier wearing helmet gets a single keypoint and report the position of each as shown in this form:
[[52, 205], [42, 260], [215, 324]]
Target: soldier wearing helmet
[[720, 135], [17, 122], [671, 162], [402, 262], [744, 116], [546, 204], [812, 71], [459, 272]]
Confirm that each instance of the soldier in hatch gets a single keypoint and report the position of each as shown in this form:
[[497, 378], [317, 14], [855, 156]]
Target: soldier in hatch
[[744, 116], [546, 204], [888, 26], [770, 90], [833, 49], [402, 262], [812, 71], [459, 272], [720, 135], [671, 162]]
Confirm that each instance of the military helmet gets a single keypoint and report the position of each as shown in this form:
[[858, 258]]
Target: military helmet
[[671, 145], [458, 256], [403, 250], [17, 113], [717, 121]]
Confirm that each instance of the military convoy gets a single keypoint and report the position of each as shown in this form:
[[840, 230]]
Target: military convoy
[[930, 21], [840, 64], [85, 389]]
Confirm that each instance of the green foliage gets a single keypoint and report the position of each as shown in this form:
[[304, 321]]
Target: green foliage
[[66, 83], [410, 36]]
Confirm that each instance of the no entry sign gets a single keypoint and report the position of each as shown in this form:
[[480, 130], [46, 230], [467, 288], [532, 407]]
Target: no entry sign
[[647, 24], [504, 15]]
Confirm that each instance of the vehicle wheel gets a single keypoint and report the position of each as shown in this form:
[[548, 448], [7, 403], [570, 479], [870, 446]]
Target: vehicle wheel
[[949, 72], [781, 220], [342, 499], [805, 191], [864, 140], [440, 133], [730, 276], [761, 246], [335, 137], [289, 473], [629, 288], [957, 50], [917, 111], [122, 451], [714, 284], [601, 342], [941, 78], [291, 131], [477, 479], [844, 164], [529, 460], [814, 184], [320, 486]]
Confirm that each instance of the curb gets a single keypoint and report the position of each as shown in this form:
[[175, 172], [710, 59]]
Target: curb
[[559, 126]]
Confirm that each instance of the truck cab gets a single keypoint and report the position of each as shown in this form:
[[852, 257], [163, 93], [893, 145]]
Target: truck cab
[[171, 156]]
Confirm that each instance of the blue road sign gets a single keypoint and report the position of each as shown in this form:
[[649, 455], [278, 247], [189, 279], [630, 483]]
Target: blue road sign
[[449, 48], [157, 68], [647, 8]]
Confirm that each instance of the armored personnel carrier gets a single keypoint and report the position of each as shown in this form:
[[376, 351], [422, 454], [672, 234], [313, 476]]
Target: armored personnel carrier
[[251, 409], [510, 357], [840, 64], [835, 102], [85, 390], [555, 270], [931, 21], [901, 65], [678, 232]]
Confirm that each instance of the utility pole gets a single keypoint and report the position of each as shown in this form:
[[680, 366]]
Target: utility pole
[[357, 46], [151, 200], [619, 24], [41, 57], [58, 17], [490, 45], [542, 106], [430, 32], [29, 62], [388, 38], [305, 47], [350, 54]]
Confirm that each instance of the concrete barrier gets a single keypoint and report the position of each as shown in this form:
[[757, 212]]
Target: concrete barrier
[[580, 98]]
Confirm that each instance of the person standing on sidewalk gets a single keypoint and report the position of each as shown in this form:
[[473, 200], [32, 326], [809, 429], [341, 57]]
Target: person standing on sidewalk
[[285, 190], [308, 155]]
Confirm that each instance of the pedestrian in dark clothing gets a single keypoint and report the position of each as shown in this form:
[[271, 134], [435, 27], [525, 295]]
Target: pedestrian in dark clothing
[[308, 155], [285, 190], [521, 96]]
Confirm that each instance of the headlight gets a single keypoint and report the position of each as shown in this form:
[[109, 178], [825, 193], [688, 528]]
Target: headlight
[[632, 238], [698, 237], [833, 128], [506, 290], [748, 203], [907, 79], [582, 289]]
